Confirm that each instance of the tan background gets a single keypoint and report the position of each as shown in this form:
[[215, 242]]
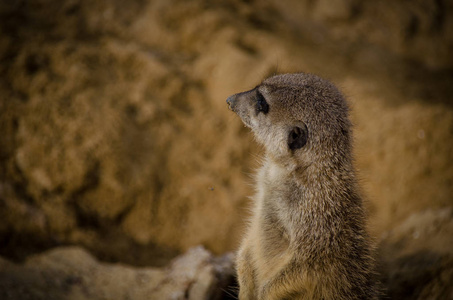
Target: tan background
[[115, 135]]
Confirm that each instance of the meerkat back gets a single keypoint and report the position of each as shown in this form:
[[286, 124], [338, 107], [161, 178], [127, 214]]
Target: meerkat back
[[307, 237]]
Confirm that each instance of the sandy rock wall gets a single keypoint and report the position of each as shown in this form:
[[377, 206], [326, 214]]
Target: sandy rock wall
[[115, 133], [417, 30], [106, 129]]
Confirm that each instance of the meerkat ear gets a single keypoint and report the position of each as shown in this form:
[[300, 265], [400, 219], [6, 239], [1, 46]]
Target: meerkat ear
[[297, 137]]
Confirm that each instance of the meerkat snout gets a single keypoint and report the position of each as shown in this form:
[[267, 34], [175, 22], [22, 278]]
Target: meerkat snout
[[307, 237], [230, 101]]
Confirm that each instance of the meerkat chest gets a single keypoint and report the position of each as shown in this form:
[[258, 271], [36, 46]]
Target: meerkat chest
[[272, 208], [271, 233]]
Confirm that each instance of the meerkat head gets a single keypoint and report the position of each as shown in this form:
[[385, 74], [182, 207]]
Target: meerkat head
[[300, 119]]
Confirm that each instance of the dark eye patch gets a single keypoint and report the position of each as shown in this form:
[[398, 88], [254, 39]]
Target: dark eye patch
[[261, 104]]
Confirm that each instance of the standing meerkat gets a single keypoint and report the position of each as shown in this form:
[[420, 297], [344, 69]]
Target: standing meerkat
[[307, 237]]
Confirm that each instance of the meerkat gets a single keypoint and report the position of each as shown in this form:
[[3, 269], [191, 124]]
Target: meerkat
[[307, 236]]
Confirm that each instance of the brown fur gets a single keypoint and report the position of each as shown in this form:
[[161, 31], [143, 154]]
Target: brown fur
[[307, 237]]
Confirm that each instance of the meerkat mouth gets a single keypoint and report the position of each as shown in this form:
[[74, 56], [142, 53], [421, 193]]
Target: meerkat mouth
[[245, 120], [247, 123]]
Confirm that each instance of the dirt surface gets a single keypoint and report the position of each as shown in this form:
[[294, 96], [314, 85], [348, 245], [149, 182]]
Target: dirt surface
[[115, 135]]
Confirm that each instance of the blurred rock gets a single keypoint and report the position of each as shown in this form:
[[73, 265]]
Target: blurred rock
[[72, 273], [417, 256]]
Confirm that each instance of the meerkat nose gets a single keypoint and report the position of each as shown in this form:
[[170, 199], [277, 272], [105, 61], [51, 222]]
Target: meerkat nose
[[230, 102]]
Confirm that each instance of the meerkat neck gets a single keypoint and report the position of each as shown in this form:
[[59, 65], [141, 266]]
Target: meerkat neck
[[336, 172], [319, 185]]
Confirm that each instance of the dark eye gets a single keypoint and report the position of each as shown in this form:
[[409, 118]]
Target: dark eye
[[261, 104]]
